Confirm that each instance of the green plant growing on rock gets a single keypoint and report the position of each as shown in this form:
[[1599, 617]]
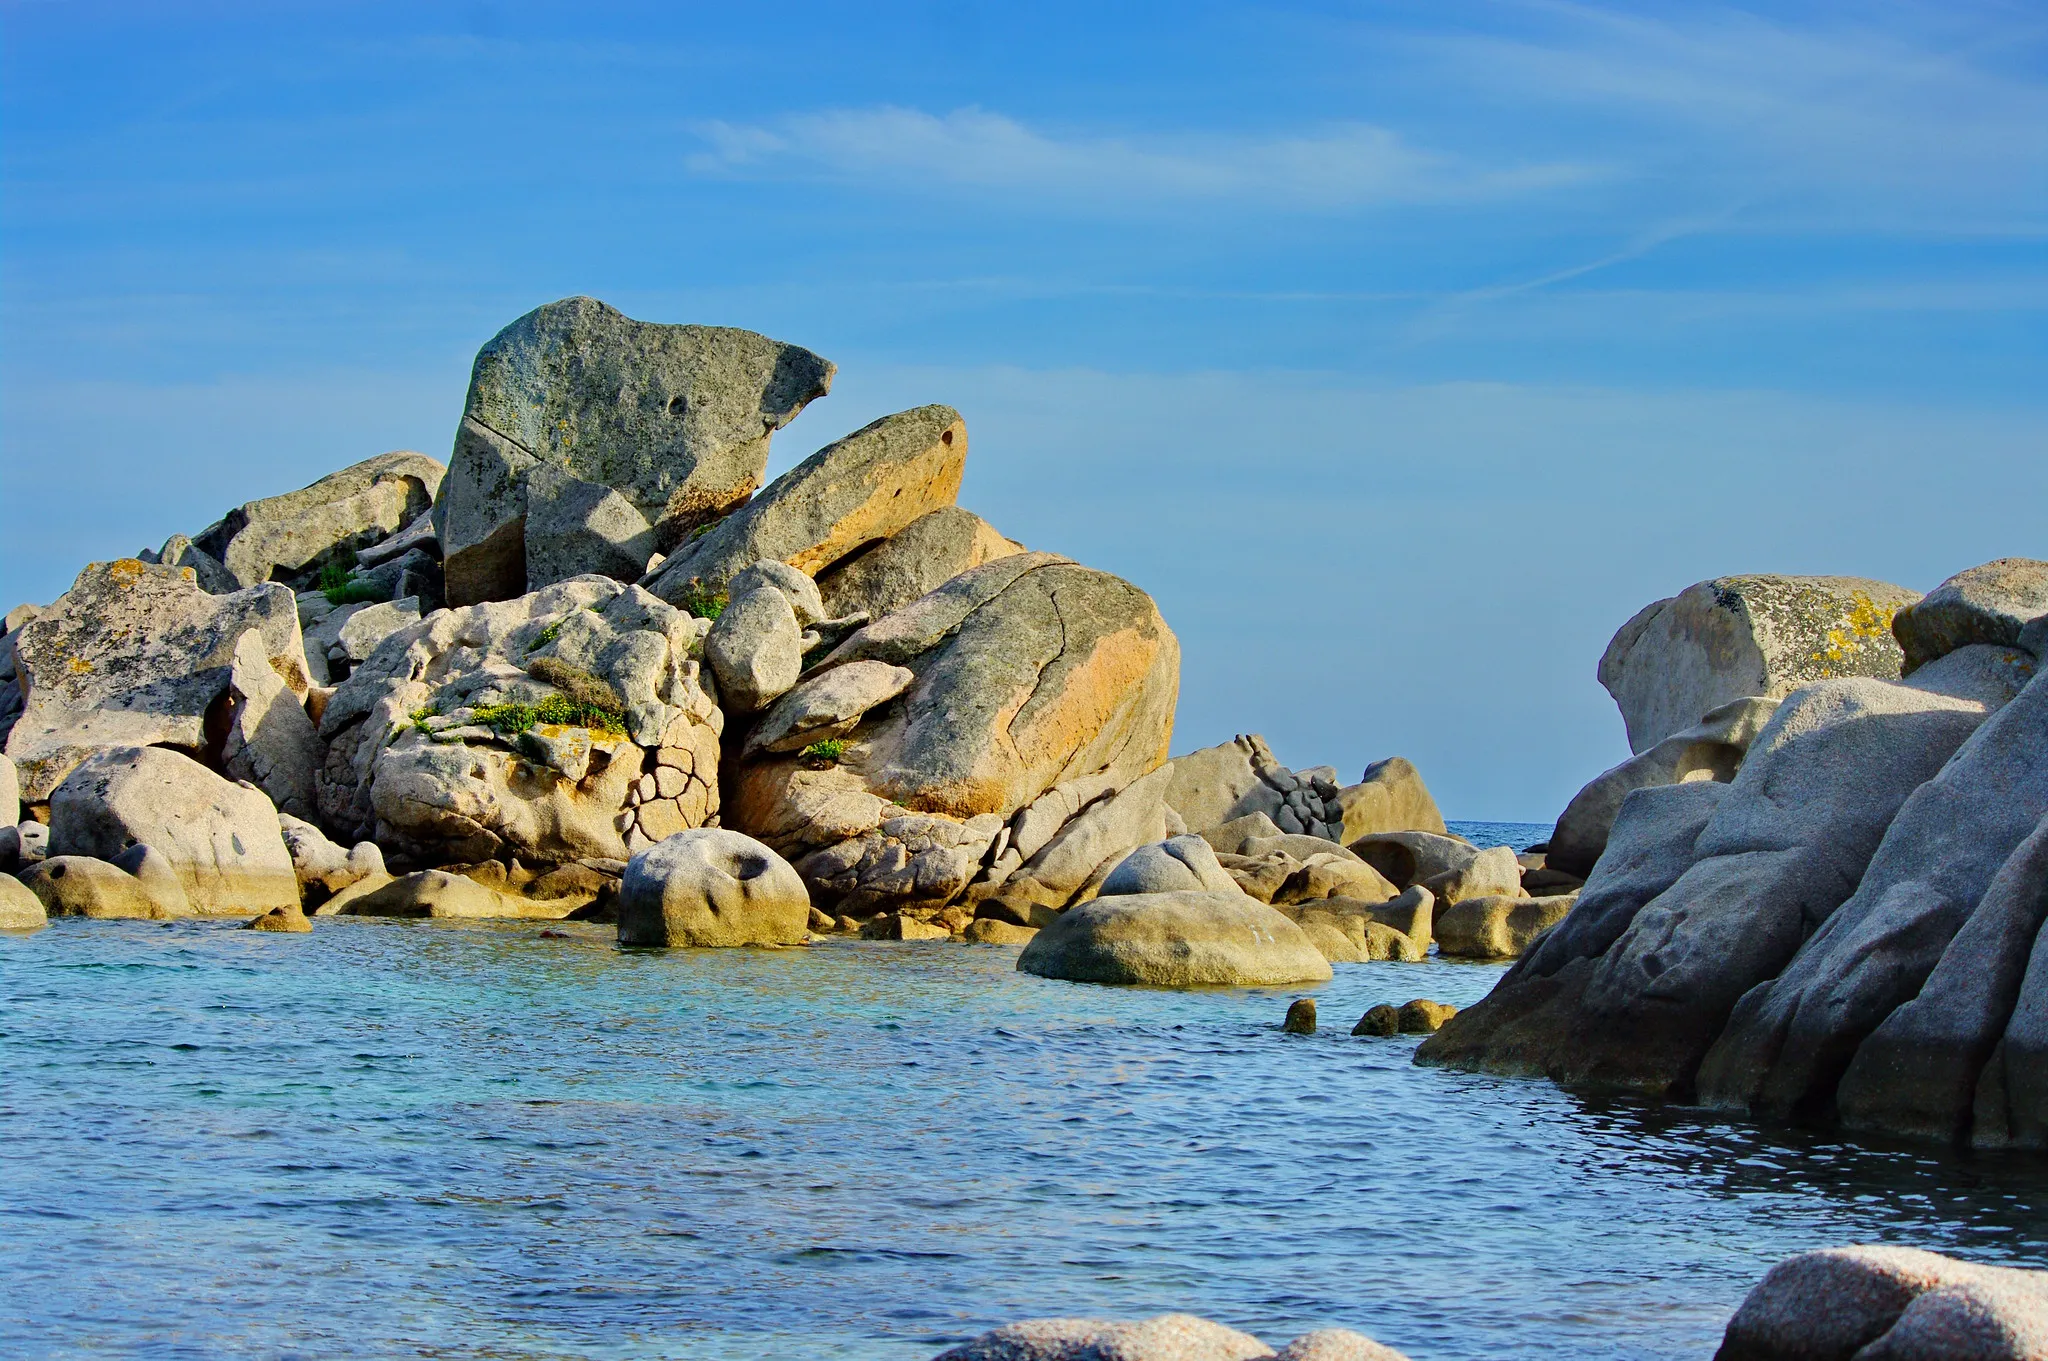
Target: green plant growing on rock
[[341, 588], [509, 720], [545, 636], [825, 753], [579, 685], [702, 603]]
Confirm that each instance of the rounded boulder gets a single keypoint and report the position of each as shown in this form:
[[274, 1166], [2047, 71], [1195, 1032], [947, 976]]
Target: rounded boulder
[[1175, 940], [712, 887]]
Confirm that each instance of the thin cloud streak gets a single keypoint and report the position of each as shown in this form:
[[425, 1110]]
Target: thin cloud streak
[[1339, 166]]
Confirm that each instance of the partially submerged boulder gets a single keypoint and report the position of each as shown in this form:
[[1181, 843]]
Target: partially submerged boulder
[[855, 491], [220, 839], [675, 419], [1497, 927], [1989, 604], [133, 656], [1737, 636], [925, 554], [20, 908], [1175, 940], [712, 887], [437, 893], [285, 536], [1886, 1303], [1711, 749], [85, 886]]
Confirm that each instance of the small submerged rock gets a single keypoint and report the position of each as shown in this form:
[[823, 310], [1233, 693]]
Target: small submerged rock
[[289, 919], [1167, 1337], [1380, 1020]]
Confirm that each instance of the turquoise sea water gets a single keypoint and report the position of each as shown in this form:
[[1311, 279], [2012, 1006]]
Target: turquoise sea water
[[470, 1140]]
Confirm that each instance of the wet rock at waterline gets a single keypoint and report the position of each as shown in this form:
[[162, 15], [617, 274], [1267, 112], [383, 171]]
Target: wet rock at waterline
[[20, 908], [1301, 1017], [1175, 940], [712, 887], [1168, 1337]]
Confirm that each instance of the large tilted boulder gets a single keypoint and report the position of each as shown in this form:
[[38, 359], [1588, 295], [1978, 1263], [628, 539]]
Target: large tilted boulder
[[1030, 670], [221, 839], [1736, 636], [675, 419], [138, 655], [1711, 749], [284, 536], [924, 555], [1716, 887], [855, 491], [1389, 797], [1789, 1043], [1175, 940], [712, 887], [1167, 1337], [1989, 604], [1886, 1303], [442, 746], [755, 647], [20, 908]]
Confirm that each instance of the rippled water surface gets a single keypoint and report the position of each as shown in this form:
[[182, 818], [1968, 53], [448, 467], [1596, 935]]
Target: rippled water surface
[[423, 1139]]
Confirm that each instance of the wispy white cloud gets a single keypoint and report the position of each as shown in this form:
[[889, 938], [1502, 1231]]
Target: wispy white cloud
[[1343, 165]]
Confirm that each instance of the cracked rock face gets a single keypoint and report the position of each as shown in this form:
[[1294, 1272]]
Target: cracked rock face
[[413, 762], [922, 556], [1029, 671], [1731, 637], [675, 419], [135, 655]]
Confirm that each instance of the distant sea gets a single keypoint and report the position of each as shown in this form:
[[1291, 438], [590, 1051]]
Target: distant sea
[[1520, 835], [483, 1141]]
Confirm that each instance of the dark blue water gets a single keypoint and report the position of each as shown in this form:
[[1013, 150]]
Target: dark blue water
[[467, 1141]]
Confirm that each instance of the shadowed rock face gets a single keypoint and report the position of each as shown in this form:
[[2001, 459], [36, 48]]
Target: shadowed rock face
[[676, 419], [1988, 604], [138, 655], [1732, 637], [920, 557], [345, 510], [1030, 670]]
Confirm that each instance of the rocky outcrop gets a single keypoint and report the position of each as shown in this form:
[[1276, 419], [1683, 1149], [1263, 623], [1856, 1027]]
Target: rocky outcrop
[[566, 724], [1242, 777], [1989, 604], [675, 419], [1070, 867], [271, 742], [1168, 1337], [134, 656], [853, 492], [1739, 636], [1030, 671], [1885, 1303], [712, 887], [1175, 940], [341, 638], [1707, 891], [220, 839], [925, 554], [286, 536], [1711, 749], [323, 868], [1389, 797]]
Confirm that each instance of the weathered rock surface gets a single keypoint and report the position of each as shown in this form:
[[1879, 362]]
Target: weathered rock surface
[[1738, 636], [1989, 604], [1496, 927], [915, 860], [1389, 797], [1030, 672], [675, 419], [755, 649], [133, 656], [1175, 940], [20, 908], [1242, 777], [924, 555], [412, 764], [1884, 1303], [1411, 857], [574, 527], [828, 705], [855, 491], [271, 742], [1631, 991], [1168, 1337], [437, 893], [290, 920], [323, 868], [1789, 1042], [10, 794], [342, 512], [1177, 864], [220, 839], [1084, 851], [1711, 749], [712, 887]]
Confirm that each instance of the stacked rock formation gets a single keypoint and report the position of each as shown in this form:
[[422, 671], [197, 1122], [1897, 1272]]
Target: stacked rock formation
[[1834, 912]]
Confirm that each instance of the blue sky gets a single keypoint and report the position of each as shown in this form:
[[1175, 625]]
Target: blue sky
[[1401, 350]]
